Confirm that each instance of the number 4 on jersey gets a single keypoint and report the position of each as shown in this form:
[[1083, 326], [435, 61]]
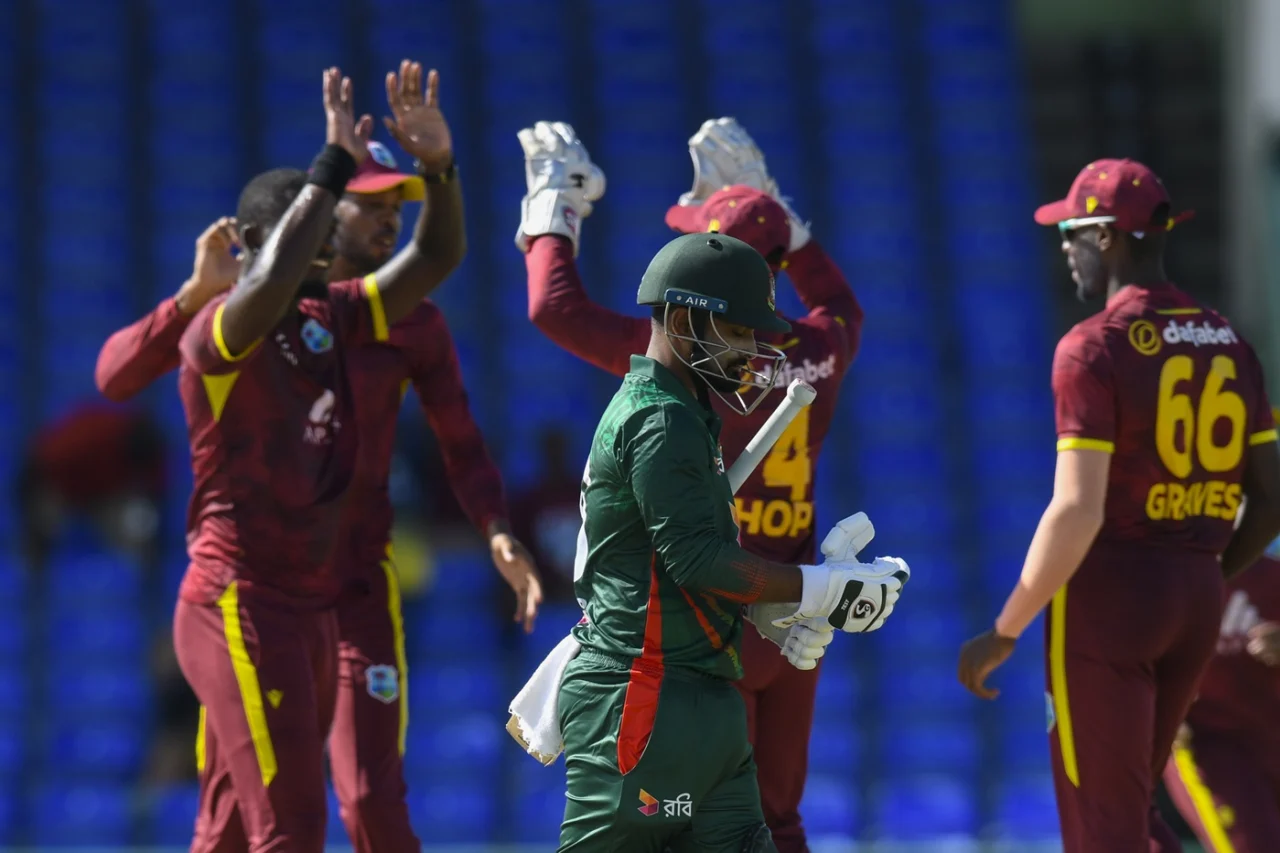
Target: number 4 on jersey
[[788, 464]]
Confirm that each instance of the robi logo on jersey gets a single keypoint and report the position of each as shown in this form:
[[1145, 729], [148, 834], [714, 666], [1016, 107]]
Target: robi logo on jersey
[[805, 371]]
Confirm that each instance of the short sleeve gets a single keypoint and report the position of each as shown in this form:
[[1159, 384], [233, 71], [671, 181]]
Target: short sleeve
[[357, 311], [1262, 423], [203, 347], [1084, 394]]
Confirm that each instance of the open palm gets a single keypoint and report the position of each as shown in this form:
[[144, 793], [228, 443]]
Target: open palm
[[416, 122]]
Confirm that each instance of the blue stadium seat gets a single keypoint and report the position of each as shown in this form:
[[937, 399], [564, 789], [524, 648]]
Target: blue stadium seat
[[908, 689], [116, 691], [830, 804], [539, 800], [463, 575], [13, 633], [946, 745], [1026, 810], [81, 815], [335, 831], [434, 638], [438, 690], [1024, 746], [96, 581], [13, 751], [110, 635], [455, 811], [835, 748], [926, 808], [87, 751], [463, 745], [171, 815], [15, 690], [12, 816]]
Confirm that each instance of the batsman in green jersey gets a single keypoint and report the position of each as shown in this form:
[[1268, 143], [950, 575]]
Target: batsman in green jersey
[[655, 735]]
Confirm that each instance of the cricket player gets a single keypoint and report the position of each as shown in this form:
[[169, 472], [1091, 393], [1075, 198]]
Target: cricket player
[[775, 505], [1164, 430], [1224, 775], [265, 385], [655, 733], [367, 739]]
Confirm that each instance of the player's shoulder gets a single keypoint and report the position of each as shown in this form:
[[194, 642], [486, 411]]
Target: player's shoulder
[[425, 315], [1089, 338]]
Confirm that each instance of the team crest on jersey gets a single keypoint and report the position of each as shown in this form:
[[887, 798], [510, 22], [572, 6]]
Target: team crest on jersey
[[317, 338], [383, 683], [382, 155]]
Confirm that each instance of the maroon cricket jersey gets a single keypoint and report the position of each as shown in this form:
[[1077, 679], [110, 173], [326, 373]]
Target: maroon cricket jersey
[[1239, 693], [775, 505], [273, 447], [1176, 395], [419, 352]]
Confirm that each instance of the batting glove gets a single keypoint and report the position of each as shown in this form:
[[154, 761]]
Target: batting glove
[[802, 644], [847, 539], [853, 597], [561, 183], [724, 154]]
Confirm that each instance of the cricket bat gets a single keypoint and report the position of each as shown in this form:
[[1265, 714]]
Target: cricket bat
[[799, 395]]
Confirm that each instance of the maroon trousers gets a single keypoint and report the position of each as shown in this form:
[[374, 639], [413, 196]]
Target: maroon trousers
[[266, 680], [1126, 647], [779, 700], [366, 746], [1227, 790]]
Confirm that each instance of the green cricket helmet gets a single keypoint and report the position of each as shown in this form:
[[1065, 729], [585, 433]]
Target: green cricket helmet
[[732, 283]]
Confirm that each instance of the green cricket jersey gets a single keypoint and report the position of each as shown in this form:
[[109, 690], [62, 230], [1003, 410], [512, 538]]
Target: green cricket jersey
[[659, 570]]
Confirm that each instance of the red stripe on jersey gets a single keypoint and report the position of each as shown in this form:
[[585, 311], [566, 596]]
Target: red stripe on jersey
[[640, 707]]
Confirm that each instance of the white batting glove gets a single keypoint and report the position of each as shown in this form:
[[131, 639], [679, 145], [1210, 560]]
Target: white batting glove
[[854, 597], [847, 539], [561, 183], [724, 154], [802, 644]]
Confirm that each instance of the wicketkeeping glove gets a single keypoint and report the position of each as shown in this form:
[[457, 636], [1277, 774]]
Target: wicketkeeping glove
[[724, 154], [853, 597], [802, 644], [561, 183]]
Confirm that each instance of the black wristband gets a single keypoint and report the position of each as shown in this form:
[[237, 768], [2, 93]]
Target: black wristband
[[443, 177], [332, 168]]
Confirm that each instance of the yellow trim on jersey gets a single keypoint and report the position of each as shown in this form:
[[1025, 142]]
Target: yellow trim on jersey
[[375, 307], [217, 387], [397, 632], [1086, 444], [247, 679], [1267, 435], [1058, 684], [200, 736], [221, 342], [1178, 311], [1202, 799]]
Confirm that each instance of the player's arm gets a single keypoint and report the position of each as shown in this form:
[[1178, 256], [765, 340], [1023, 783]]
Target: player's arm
[[1260, 517], [833, 308], [1085, 407], [137, 355], [280, 266], [561, 309], [439, 237], [437, 380], [673, 478]]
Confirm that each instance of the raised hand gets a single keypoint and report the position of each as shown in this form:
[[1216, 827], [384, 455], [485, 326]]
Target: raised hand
[[216, 268], [416, 122], [341, 126]]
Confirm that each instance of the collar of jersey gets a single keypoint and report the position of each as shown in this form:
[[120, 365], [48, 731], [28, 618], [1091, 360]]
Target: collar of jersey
[[1129, 291], [666, 380]]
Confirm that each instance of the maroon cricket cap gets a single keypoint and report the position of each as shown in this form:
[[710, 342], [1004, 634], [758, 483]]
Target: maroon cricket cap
[[1125, 191], [378, 173], [739, 211]]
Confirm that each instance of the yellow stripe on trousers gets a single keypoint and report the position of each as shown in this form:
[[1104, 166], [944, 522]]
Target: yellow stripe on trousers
[[200, 736], [1058, 683], [397, 630], [1202, 800], [247, 679]]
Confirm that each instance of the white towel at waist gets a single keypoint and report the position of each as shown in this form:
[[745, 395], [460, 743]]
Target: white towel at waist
[[535, 712]]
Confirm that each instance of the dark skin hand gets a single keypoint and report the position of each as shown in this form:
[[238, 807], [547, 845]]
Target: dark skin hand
[[284, 259], [980, 657], [439, 236]]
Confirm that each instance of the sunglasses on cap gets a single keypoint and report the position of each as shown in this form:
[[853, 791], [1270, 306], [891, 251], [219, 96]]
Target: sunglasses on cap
[[1068, 226]]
